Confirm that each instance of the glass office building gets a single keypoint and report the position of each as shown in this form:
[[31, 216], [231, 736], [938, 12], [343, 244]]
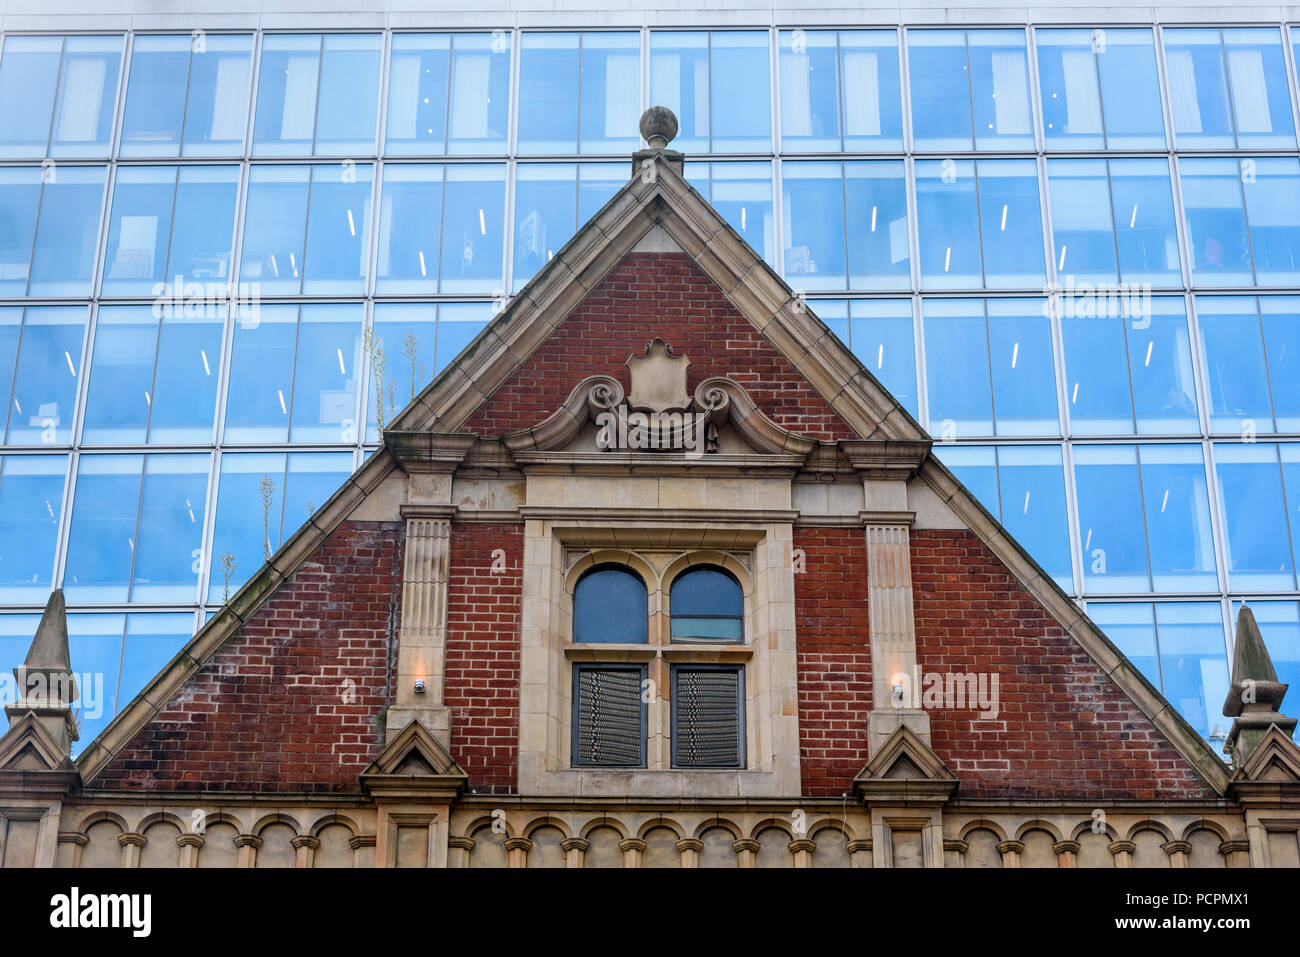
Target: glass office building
[[1071, 251]]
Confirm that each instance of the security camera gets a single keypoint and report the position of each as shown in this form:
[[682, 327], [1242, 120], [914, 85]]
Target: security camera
[[898, 693], [419, 686]]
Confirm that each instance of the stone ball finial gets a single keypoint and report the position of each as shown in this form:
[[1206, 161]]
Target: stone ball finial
[[658, 126]]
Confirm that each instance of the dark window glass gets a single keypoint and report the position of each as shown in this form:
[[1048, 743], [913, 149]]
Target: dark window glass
[[708, 717], [608, 716], [707, 605], [609, 607]]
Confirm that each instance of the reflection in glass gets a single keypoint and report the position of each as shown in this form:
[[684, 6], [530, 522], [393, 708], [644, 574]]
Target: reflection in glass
[[447, 93], [948, 225], [31, 503], [1216, 222], [1112, 535], [1253, 509], [45, 380]]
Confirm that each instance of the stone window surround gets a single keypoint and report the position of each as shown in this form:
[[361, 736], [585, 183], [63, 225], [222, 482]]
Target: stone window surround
[[658, 549]]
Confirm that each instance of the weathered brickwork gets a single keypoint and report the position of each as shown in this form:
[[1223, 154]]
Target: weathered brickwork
[[648, 295], [834, 658], [482, 681], [294, 702], [1063, 729]]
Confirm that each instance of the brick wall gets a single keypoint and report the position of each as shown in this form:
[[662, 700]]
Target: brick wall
[[648, 295], [482, 680], [834, 657], [293, 701], [1064, 729]]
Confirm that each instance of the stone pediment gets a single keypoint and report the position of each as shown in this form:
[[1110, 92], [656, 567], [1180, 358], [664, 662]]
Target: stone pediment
[[1275, 760], [905, 769], [414, 761]]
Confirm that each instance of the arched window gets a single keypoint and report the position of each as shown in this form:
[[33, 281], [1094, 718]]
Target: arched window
[[707, 604], [609, 607]]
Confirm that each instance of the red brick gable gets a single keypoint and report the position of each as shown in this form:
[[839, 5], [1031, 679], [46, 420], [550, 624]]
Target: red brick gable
[[295, 700], [834, 657], [484, 593], [648, 295], [1064, 729]]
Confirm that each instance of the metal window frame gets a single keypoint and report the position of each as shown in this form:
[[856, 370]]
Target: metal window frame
[[741, 721], [578, 668]]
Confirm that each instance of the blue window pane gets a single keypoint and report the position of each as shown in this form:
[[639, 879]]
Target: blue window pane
[[16, 633], [1236, 373], [1281, 315], [31, 501], [20, 201], [1193, 662], [45, 383], [311, 479], [947, 224], [883, 341], [338, 230], [1198, 91], [247, 526], [1131, 626], [549, 65], [872, 91], [1178, 518], [706, 604], [349, 95], [1011, 229], [29, 77], [1069, 86], [1272, 189], [1147, 237], [546, 206], [835, 314], [261, 376], [609, 607], [83, 110], [1130, 90], [1160, 362], [742, 194], [1289, 453], [152, 640], [611, 92], [64, 254], [1096, 374], [155, 96], [184, 400], [810, 90], [1112, 538], [1083, 232], [216, 108], [286, 95], [139, 230], [1253, 509], [1216, 222], [876, 206], [170, 538], [1023, 370], [419, 74], [275, 222], [408, 335], [1279, 625], [1032, 487], [95, 646], [102, 539], [941, 90], [458, 324], [957, 368], [598, 182], [999, 71], [1261, 101], [326, 374], [473, 214], [813, 198], [121, 376], [679, 80], [480, 93], [740, 84], [410, 212], [203, 226], [976, 467], [11, 326]]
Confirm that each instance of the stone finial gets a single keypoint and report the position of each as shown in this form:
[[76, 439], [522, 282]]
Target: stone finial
[[1255, 698], [46, 686], [658, 126]]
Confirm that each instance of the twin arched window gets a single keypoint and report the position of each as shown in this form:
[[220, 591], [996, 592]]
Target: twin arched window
[[706, 604]]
